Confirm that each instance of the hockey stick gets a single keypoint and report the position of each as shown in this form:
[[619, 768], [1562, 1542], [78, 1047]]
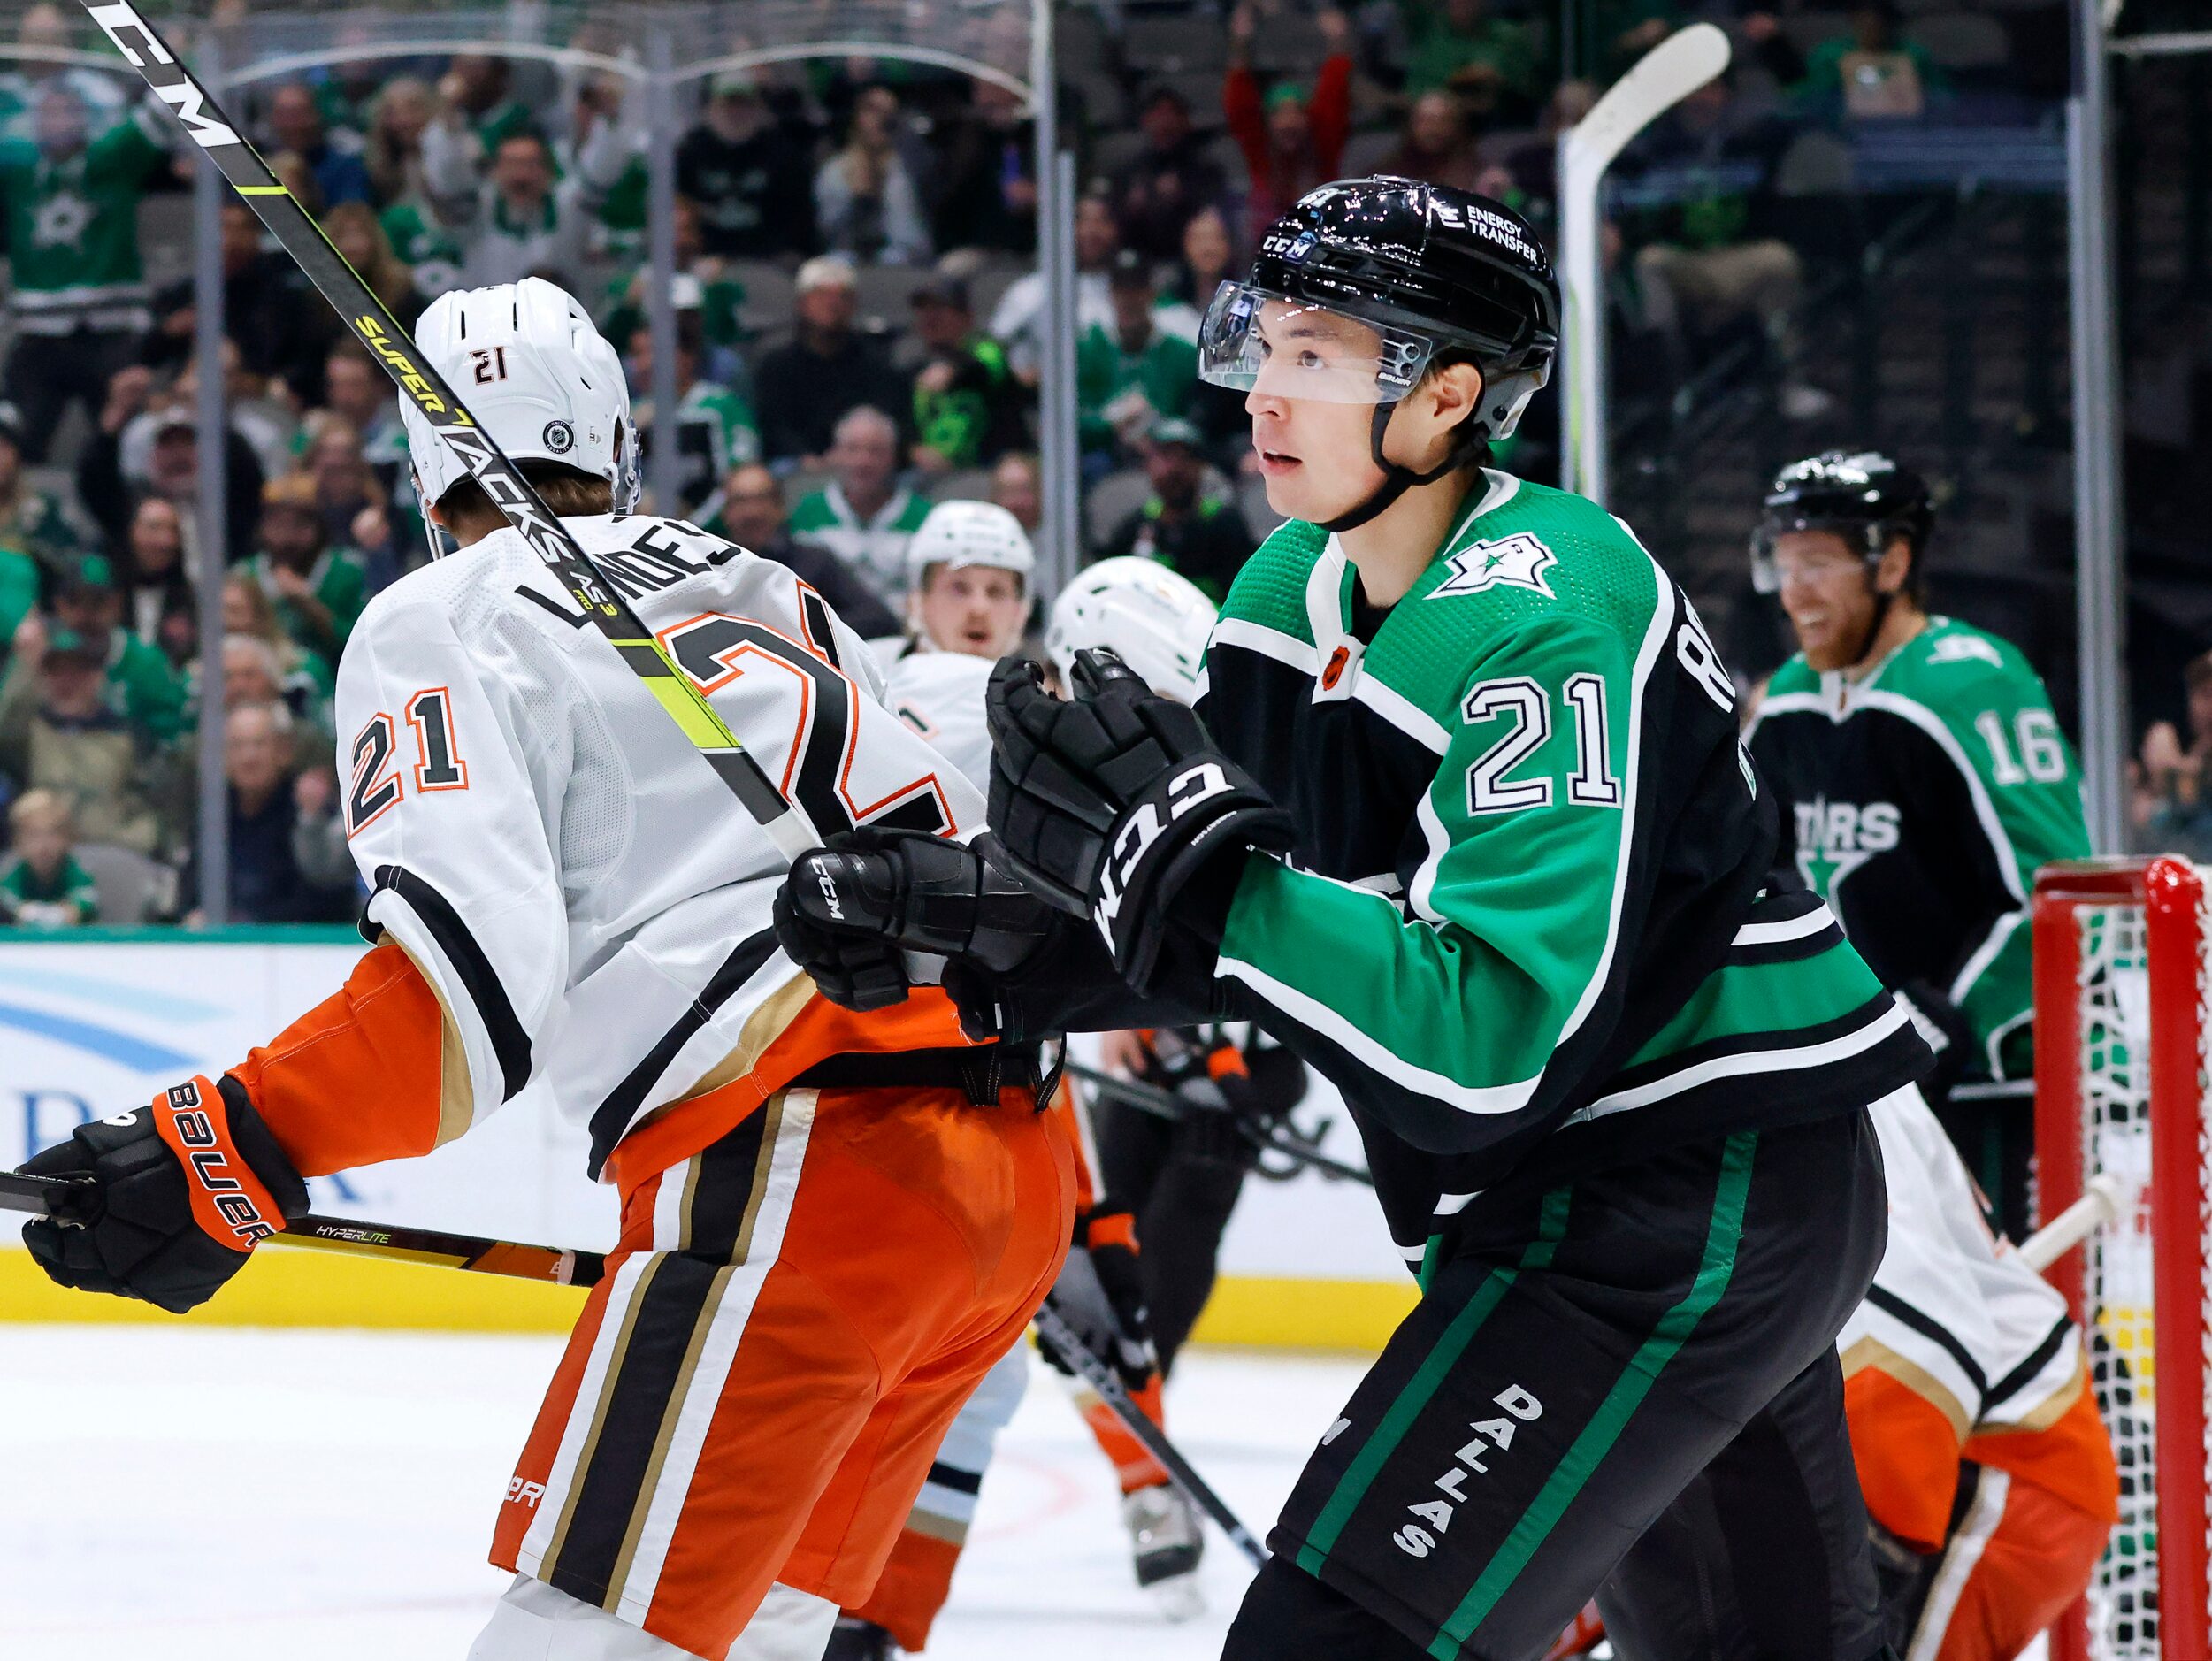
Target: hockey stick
[[2104, 1199], [65, 1199], [1057, 1336], [389, 343], [1162, 1104], [1662, 78], [59, 1197]]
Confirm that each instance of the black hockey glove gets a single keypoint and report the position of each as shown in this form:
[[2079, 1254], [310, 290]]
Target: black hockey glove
[[179, 1193], [849, 910], [1100, 1293], [1114, 803]]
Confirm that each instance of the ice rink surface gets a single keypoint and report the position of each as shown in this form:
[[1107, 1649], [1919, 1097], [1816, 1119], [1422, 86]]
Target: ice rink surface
[[190, 1494]]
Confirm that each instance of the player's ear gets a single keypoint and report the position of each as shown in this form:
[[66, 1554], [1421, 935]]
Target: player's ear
[[1894, 569], [1455, 391]]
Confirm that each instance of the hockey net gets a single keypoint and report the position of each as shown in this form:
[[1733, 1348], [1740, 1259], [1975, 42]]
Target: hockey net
[[2122, 1001]]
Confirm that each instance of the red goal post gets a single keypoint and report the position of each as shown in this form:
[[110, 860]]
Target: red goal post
[[2120, 1071]]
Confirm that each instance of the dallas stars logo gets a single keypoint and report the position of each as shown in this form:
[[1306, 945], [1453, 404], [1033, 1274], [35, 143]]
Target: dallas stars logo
[[61, 221], [1824, 869], [1519, 561]]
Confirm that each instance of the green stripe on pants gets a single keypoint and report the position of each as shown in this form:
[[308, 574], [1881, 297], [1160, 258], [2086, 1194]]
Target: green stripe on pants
[[1597, 1439], [1352, 1487]]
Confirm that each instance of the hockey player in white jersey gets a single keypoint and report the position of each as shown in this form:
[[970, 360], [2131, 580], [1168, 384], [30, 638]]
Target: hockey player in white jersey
[[970, 566], [833, 1225]]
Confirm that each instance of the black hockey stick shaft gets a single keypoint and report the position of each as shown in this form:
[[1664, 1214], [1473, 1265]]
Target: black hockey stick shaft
[[1061, 1339], [1162, 1104], [389, 344], [74, 1199]]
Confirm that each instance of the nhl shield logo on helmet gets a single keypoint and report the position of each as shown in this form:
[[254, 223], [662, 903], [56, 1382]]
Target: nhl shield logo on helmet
[[560, 437]]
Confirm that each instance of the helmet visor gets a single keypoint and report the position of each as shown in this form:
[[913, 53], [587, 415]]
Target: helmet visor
[[1252, 342]]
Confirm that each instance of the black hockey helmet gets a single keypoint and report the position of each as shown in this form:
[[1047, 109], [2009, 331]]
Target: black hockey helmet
[[1443, 275], [1865, 498]]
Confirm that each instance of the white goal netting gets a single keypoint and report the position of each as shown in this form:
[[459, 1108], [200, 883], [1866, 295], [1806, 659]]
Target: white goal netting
[[2125, 1067]]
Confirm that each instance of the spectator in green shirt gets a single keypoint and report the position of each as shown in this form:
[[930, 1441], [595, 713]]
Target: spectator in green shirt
[[31, 520], [1875, 71], [1459, 47], [1129, 375], [318, 590], [41, 886], [140, 682], [965, 411]]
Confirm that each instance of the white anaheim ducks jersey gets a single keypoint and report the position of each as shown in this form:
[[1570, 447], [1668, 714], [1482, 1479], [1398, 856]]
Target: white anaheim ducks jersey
[[1960, 1322], [940, 695], [590, 903]]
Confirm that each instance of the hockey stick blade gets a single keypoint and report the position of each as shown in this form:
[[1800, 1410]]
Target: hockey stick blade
[[389, 344], [1661, 78], [1062, 1340]]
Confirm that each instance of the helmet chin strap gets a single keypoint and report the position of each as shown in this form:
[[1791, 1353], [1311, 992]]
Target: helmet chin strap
[[1398, 479]]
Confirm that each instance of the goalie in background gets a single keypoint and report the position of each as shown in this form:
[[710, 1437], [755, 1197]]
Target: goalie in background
[[1988, 1472], [1923, 781]]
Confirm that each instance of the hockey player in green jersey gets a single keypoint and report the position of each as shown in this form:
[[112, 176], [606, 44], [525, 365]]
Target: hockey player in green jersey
[[1467, 825], [1922, 779]]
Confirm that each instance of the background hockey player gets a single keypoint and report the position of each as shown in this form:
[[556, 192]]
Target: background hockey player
[[1468, 826], [1922, 780], [1987, 1470], [1180, 1180], [968, 568], [832, 1226]]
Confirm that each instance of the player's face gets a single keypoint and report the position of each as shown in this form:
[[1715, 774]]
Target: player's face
[[1315, 453], [977, 609], [1827, 594]]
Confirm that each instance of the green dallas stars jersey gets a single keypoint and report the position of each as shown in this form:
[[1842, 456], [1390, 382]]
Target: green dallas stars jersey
[[1919, 801], [73, 227], [1528, 927]]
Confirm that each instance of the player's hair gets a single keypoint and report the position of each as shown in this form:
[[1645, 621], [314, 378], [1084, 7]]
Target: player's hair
[[571, 493], [41, 806]]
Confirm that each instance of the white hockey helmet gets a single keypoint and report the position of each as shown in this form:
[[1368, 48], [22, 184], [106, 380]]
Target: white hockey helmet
[[958, 533], [1154, 619], [538, 376]]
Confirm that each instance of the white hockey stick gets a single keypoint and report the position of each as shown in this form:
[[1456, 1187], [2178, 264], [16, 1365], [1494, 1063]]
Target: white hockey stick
[[2103, 1202], [1665, 75]]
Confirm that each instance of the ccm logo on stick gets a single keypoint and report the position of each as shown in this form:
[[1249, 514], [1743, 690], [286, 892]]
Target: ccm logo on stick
[[181, 94]]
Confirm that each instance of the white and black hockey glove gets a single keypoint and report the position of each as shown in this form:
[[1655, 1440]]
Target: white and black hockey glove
[[1114, 804], [849, 911]]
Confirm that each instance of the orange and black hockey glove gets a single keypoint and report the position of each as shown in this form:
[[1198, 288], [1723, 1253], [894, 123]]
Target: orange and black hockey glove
[[1100, 1293], [175, 1195]]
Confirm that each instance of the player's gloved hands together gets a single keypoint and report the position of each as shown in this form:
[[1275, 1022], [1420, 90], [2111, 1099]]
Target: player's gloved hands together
[[179, 1191], [849, 910], [1100, 1293], [1114, 804]]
